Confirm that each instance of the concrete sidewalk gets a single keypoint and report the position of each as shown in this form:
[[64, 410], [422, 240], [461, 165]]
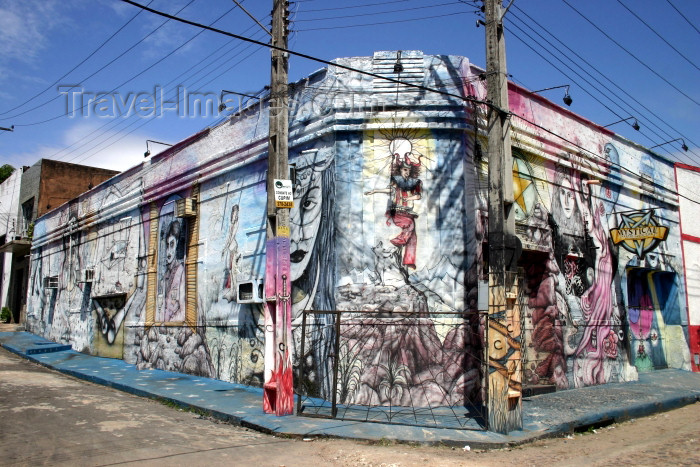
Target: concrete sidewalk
[[544, 415]]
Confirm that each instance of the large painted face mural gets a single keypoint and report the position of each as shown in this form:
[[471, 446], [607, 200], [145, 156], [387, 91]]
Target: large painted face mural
[[312, 231]]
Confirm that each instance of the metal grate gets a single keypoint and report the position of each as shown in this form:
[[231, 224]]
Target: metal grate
[[422, 369]]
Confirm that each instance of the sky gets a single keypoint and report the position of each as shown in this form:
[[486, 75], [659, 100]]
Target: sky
[[621, 58]]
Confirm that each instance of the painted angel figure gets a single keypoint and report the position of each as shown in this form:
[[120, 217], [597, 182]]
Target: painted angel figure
[[404, 188]]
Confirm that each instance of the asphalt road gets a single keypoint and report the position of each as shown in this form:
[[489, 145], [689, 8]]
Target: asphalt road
[[47, 418]]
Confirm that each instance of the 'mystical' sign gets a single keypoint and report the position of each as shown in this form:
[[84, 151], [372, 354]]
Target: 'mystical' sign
[[639, 232]]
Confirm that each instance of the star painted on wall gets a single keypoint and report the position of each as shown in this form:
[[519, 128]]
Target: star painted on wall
[[521, 181]]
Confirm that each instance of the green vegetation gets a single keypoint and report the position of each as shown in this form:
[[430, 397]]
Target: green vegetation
[[5, 171], [5, 315]]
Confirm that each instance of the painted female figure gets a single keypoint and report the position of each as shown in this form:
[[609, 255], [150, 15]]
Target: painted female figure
[[172, 287], [231, 257], [599, 341], [404, 188]]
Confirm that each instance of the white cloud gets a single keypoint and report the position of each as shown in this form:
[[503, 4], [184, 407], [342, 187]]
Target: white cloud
[[110, 150], [25, 26]]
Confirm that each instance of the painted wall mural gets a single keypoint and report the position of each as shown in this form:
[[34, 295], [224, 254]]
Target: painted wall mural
[[388, 229], [589, 300], [402, 342]]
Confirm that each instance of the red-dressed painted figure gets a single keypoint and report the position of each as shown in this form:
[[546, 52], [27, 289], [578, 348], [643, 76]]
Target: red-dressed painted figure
[[404, 188]]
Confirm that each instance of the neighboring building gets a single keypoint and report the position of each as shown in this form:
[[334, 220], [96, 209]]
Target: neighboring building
[[163, 265], [9, 201], [33, 192], [687, 181]]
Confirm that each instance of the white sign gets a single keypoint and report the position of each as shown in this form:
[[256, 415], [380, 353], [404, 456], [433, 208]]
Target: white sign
[[284, 194]]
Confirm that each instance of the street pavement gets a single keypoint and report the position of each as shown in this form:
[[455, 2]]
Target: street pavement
[[544, 415]]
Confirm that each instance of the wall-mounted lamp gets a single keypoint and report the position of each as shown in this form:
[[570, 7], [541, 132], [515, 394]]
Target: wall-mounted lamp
[[567, 98], [148, 151], [222, 106], [635, 125], [12, 128], [684, 146], [398, 66]]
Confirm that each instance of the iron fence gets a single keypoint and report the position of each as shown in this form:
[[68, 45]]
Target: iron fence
[[424, 369]]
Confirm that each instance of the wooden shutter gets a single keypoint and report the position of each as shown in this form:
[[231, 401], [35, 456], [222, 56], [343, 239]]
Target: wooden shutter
[[191, 263]]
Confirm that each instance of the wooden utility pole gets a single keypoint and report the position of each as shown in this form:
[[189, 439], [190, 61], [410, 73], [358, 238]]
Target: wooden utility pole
[[504, 380], [278, 394]]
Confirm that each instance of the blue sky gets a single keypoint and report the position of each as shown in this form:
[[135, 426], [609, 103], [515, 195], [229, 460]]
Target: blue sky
[[43, 40]]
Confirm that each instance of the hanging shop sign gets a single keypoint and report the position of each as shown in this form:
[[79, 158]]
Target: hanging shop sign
[[639, 232]]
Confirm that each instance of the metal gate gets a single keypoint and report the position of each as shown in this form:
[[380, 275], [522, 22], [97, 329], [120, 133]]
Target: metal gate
[[423, 369]]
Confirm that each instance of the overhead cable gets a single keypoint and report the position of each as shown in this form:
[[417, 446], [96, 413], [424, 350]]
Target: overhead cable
[[648, 67]]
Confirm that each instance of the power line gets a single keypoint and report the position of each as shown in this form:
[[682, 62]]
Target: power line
[[386, 78], [631, 54], [683, 16], [136, 75], [558, 57], [166, 85], [659, 35], [593, 67], [76, 66], [121, 136], [382, 22], [515, 35], [310, 57], [114, 123], [354, 6], [93, 74], [621, 167], [378, 12]]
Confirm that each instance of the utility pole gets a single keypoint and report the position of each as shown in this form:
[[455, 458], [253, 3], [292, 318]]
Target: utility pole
[[503, 352], [278, 390]]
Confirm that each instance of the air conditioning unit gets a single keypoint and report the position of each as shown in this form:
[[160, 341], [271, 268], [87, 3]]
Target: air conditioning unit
[[87, 275], [186, 207], [250, 291], [51, 282]]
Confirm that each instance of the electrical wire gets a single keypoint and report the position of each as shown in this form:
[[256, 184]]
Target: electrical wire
[[621, 89], [120, 136], [683, 16], [648, 67], [354, 6], [621, 167], [95, 72], [383, 22], [191, 72], [76, 66], [558, 57], [133, 77], [425, 88], [310, 57], [658, 35], [386, 12]]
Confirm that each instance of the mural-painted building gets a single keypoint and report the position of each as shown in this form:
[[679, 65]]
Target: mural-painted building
[[30, 192], [163, 264]]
